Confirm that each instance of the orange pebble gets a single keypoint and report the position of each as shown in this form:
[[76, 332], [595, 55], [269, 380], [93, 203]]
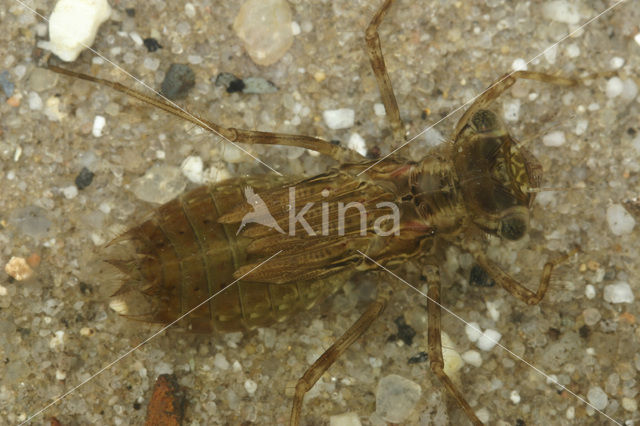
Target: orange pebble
[[14, 101], [34, 260], [628, 317], [166, 407]]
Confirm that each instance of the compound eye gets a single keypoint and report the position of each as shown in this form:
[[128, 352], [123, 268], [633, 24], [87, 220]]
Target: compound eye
[[512, 227], [484, 121]]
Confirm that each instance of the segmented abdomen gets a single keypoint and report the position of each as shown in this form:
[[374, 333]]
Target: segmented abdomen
[[181, 255]]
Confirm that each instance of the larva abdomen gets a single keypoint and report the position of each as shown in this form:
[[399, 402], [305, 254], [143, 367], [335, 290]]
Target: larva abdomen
[[180, 255]]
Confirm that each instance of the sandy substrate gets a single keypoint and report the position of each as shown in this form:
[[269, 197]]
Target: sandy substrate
[[440, 54]]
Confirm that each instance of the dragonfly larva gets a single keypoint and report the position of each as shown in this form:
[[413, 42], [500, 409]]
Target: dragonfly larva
[[415, 39]]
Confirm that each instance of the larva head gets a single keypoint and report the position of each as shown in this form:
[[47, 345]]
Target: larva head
[[495, 176]]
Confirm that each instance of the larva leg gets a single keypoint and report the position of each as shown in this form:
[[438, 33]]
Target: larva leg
[[513, 286], [499, 86], [234, 135], [436, 361], [313, 373], [380, 70]]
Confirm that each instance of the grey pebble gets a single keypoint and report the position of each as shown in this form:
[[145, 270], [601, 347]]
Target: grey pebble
[[178, 81], [7, 85]]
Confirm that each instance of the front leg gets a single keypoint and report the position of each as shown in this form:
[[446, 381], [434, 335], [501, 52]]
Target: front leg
[[513, 286], [435, 344]]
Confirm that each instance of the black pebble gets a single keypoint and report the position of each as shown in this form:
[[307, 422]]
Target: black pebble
[[131, 12], [236, 85], [479, 277], [419, 358], [405, 332], [151, 44], [178, 81], [84, 178]]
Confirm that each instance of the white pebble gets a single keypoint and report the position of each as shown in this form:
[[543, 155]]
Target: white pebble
[[98, 125], [396, 397], [619, 220], [590, 291], [215, 174], [472, 357], [18, 268], [614, 87], [220, 362], [73, 26], [552, 379], [105, 207], [375, 362], [295, 28], [192, 168], [581, 127], [357, 143], [515, 397], [551, 53], [163, 368], [52, 109], [619, 292], [512, 110], [136, 38], [97, 239], [519, 64], [554, 138], [561, 11], [492, 309], [573, 51], [571, 413], [70, 192], [152, 64], [342, 118], [232, 154], [250, 386], [597, 397], [57, 340], [86, 331], [630, 404], [190, 10], [616, 62], [17, 154], [488, 340], [636, 38], [483, 415], [35, 101], [379, 110], [119, 306], [346, 419], [630, 90], [3, 290], [264, 26], [473, 331], [452, 359], [60, 375]]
